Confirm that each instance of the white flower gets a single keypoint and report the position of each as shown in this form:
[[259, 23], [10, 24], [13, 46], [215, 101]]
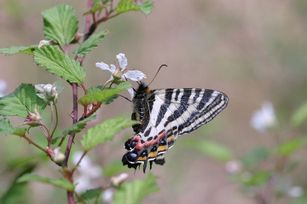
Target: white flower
[[118, 72], [295, 191], [233, 166], [263, 118], [107, 196], [117, 180], [3, 87], [43, 43], [47, 92], [89, 173]]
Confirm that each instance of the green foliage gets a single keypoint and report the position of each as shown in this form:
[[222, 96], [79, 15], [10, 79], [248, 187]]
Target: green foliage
[[134, 192], [17, 192], [18, 50], [129, 5], [212, 149], [255, 156], [6, 128], [56, 62], [257, 179], [79, 126], [290, 146], [61, 183], [103, 95], [60, 24], [300, 115], [91, 194], [91, 43], [22, 101], [104, 132]]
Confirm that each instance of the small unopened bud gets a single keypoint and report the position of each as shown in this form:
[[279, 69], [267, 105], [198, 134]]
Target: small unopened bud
[[33, 118], [47, 92], [117, 180], [57, 155], [233, 167], [43, 43]]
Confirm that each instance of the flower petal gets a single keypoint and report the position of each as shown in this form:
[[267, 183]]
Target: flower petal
[[131, 92], [122, 61], [134, 75], [105, 66]]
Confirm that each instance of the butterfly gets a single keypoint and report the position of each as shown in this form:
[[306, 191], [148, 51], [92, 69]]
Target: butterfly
[[165, 114]]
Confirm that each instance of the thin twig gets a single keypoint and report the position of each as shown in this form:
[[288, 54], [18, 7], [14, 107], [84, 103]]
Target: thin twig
[[56, 120], [30, 141], [78, 163]]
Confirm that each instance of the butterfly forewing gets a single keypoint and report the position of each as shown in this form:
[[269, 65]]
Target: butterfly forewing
[[165, 114]]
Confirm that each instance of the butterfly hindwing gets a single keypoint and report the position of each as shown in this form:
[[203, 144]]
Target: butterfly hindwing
[[164, 114]]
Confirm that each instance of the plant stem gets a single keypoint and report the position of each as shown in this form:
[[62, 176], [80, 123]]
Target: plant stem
[[34, 144], [56, 120], [78, 163]]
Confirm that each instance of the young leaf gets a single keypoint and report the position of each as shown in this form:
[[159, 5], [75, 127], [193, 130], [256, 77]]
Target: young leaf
[[114, 169], [79, 126], [212, 149], [60, 24], [61, 183], [18, 50], [95, 95], [104, 132], [91, 43], [300, 115], [6, 128], [91, 194], [56, 62], [135, 191], [129, 5], [22, 101]]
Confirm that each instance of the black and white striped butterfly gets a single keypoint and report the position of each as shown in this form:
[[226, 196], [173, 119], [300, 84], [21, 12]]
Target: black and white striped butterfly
[[163, 115]]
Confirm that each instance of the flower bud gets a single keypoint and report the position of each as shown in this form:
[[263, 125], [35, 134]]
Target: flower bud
[[47, 92], [33, 118], [117, 180]]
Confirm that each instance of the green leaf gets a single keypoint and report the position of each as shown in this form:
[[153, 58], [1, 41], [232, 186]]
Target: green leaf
[[56, 62], [291, 146], [60, 24], [257, 179], [91, 194], [6, 128], [79, 126], [18, 50], [212, 149], [17, 192], [129, 5], [61, 183], [91, 43], [104, 131], [22, 101], [134, 192], [300, 115], [100, 95], [255, 156]]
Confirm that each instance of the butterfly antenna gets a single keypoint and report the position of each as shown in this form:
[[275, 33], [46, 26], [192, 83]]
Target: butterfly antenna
[[125, 97], [161, 66]]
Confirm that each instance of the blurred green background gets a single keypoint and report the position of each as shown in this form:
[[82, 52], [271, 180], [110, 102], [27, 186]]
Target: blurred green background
[[254, 51]]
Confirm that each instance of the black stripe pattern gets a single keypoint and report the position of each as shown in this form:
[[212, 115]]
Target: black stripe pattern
[[165, 114]]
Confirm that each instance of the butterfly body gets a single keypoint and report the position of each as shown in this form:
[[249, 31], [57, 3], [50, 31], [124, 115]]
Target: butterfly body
[[163, 115]]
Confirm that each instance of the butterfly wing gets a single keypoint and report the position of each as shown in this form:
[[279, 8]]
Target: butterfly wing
[[164, 114]]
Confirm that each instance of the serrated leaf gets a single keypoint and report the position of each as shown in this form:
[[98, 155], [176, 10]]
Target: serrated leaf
[[91, 194], [17, 192], [129, 5], [56, 62], [79, 126], [6, 128], [289, 147], [212, 149], [18, 50], [22, 101], [91, 43], [134, 192], [300, 115], [60, 24], [103, 95], [61, 183], [114, 169], [104, 131]]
